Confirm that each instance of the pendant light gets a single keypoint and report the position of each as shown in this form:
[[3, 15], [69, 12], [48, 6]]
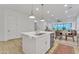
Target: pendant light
[[42, 17], [32, 15]]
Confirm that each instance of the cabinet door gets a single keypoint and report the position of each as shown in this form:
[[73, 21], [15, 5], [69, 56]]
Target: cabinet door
[[29, 44], [11, 24], [43, 44]]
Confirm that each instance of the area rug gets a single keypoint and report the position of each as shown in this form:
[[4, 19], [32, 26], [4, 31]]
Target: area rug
[[63, 49]]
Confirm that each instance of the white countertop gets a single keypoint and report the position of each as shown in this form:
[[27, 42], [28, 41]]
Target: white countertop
[[33, 33]]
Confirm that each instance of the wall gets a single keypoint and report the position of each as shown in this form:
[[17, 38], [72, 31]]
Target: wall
[[1, 25], [12, 23]]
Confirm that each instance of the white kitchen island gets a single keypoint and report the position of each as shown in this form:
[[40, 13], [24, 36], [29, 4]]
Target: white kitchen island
[[36, 43]]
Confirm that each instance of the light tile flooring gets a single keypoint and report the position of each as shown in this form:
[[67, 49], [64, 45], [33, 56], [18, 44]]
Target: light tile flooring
[[14, 46]]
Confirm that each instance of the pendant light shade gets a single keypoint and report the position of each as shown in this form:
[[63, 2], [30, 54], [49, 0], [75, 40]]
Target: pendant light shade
[[31, 16]]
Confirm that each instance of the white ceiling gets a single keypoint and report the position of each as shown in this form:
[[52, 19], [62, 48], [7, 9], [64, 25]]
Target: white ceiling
[[58, 10]]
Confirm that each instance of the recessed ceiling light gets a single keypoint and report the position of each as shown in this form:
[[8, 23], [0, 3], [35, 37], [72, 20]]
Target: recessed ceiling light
[[42, 20], [37, 9], [65, 5], [52, 15], [48, 12], [66, 11]]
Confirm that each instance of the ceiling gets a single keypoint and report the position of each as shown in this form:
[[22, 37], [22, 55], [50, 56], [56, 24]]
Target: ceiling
[[48, 11]]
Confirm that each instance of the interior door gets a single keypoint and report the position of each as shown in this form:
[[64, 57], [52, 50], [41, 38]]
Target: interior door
[[11, 25]]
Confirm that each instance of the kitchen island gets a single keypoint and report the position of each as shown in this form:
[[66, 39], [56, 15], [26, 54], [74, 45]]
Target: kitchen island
[[34, 43]]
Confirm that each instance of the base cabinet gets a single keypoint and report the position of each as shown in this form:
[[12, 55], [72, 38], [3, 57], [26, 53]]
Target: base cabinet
[[43, 44], [36, 45]]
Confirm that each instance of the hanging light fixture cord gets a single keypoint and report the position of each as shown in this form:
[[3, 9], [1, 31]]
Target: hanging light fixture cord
[[42, 11], [32, 10]]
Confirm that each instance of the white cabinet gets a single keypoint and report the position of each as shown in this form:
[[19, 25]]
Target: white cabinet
[[36, 44], [29, 44], [43, 44]]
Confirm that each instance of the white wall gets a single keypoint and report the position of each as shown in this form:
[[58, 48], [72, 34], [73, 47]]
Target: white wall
[[1, 25], [12, 23]]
